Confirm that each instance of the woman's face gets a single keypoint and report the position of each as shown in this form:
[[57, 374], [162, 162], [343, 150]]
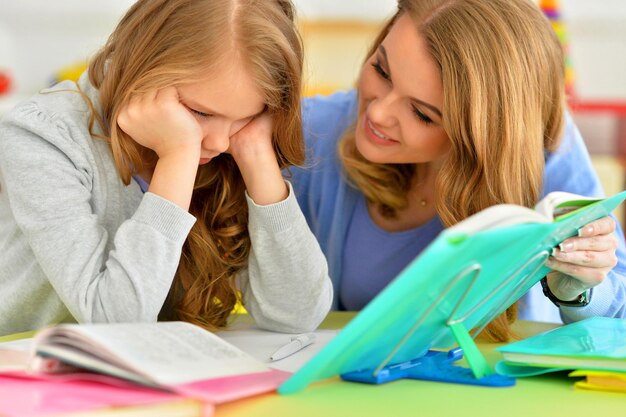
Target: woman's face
[[400, 101]]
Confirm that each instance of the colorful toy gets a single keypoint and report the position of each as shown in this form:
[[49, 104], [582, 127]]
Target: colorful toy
[[5, 82], [551, 8], [70, 72]]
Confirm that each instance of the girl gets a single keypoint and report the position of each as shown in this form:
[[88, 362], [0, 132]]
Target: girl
[[153, 186]]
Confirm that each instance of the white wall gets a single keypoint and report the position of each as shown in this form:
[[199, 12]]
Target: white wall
[[597, 39], [345, 9], [37, 37]]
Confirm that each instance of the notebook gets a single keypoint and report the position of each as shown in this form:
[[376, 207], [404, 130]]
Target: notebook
[[596, 343]]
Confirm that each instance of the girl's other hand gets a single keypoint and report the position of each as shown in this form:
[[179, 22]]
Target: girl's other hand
[[253, 141], [159, 121], [251, 147]]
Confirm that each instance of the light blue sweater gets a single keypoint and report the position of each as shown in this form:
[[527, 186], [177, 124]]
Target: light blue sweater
[[329, 203]]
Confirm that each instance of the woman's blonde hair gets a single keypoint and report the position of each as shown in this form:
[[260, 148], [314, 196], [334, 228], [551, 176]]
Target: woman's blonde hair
[[504, 101], [161, 43]]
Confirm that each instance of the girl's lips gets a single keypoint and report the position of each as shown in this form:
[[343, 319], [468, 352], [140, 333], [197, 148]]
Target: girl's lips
[[207, 159], [376, 136]]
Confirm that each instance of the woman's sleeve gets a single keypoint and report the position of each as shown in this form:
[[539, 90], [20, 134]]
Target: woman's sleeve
[[286, 286], [569, 169], [48, 175]]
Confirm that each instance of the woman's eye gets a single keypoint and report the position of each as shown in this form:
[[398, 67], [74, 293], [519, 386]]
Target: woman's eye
[[379, 69], [422, 116]]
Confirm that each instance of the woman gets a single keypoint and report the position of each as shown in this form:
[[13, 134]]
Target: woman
[[459, 106], [153, 186]]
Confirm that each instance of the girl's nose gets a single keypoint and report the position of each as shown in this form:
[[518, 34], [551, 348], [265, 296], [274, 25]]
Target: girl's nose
[[216, 141]]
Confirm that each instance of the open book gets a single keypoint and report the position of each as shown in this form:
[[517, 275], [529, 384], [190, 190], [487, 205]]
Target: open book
[[554, 206], [191, 369], [159, 355]]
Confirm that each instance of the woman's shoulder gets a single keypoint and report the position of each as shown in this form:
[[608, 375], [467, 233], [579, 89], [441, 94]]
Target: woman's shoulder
[[329, 116], [342, 101], [569, 167]]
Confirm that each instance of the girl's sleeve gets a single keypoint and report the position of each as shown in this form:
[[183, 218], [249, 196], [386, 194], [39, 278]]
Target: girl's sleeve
[[48, 175], [286, 286]]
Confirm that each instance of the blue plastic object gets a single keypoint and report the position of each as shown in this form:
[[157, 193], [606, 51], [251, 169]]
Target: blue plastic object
[[434, 366]]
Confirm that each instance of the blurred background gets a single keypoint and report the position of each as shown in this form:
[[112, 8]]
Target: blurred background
[[43, 41]]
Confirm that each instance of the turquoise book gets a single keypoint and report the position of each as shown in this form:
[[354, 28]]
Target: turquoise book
[[467, 276], [596, 343]]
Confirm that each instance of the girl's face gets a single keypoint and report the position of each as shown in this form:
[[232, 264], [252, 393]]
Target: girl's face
[[222, 105], [400, 101]]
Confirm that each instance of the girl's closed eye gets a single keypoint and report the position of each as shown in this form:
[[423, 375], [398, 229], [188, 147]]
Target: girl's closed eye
[[199, 113]]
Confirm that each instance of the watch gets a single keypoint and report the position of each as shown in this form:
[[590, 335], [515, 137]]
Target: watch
[[580, 301]]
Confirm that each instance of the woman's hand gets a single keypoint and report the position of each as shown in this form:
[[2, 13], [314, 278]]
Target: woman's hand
[[252, 149], [158, 121], [583, 262]]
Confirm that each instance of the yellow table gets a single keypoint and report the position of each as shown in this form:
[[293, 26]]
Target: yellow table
[[549, 395]]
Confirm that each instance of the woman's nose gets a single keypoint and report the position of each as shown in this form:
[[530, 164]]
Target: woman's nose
[[382, 109]]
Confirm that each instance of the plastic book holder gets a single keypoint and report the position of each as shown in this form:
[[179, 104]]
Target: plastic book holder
[[466, 277], [439, 365]]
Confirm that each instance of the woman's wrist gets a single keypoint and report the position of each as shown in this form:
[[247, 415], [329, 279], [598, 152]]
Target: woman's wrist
[[575, 295]]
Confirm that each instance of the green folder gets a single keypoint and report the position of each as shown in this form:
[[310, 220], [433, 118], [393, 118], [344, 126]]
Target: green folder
[[462, 280], [597, 343]]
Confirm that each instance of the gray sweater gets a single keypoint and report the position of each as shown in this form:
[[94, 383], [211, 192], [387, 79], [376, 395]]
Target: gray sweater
[[76, 244]]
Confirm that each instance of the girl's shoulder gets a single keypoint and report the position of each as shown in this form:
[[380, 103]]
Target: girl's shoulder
[[58, 113], [55, 121], [62, 102]]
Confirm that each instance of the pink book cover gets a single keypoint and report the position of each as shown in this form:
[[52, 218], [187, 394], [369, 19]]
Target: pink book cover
[[32, 395]]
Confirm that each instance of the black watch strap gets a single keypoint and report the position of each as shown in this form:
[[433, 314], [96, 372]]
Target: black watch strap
[[580, 301]]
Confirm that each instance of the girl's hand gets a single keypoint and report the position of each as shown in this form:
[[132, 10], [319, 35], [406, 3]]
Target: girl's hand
[[252, 149], [158, 121], [253, 141], [583, 262]]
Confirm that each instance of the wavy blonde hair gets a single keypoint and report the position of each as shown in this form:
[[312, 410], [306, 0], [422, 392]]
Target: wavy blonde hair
[[161, 43], [504, 101]]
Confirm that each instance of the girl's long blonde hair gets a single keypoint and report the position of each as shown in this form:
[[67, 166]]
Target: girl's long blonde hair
[[503, 83], [161, 43]]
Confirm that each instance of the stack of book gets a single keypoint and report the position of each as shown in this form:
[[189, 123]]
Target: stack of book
[[595, 348]]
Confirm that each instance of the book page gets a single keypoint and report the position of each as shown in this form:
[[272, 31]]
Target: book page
[[553, 205], [15, 355], [558, 203], [170, 353], [498, 216]]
